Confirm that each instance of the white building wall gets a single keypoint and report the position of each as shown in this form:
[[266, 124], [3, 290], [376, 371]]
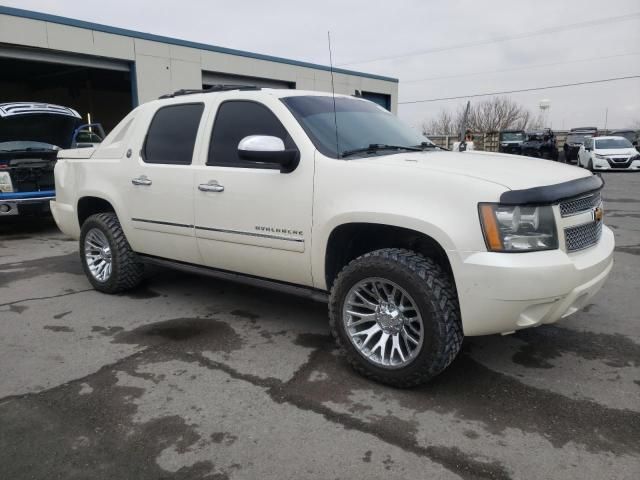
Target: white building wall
[[162, 67]]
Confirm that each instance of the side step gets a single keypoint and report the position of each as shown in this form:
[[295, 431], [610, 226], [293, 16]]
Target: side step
[[283, 287]]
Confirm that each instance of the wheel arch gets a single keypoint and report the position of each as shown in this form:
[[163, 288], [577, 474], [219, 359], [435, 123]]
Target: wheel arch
[[90, 205], [347, 241]]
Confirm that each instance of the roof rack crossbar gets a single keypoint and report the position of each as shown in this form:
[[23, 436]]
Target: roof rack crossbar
[[222, 87]]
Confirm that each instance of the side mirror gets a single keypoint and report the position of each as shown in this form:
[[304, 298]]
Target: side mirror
[[268, 149]]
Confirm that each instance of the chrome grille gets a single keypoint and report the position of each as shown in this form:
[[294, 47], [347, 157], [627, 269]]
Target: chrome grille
[[580, 205], [582, 236]]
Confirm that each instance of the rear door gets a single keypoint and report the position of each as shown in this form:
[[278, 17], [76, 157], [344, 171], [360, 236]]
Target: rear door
[[258, 220], [160, 185]]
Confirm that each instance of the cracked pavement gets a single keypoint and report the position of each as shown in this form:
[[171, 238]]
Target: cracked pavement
[[193, 378]]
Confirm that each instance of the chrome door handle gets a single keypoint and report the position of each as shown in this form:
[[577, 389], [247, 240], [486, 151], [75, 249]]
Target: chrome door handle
[[212, 186], [141, 180]]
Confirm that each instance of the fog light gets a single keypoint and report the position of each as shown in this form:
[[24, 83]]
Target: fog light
[[4, 208]]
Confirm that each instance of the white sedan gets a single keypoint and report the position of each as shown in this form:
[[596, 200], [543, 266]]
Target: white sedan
[[608, 153]]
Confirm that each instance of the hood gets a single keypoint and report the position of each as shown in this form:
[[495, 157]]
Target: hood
[[617, 151], [513, 172], [37, 128]]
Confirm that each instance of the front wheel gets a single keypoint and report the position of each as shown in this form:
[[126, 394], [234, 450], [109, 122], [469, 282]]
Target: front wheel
[[107, 259], [395, 316]]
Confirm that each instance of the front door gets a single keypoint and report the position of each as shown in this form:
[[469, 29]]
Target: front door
[[160, 188], [249, 217]]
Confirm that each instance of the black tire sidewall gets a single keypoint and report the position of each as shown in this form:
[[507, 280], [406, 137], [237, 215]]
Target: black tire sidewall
[[427, 360], [98, 222]]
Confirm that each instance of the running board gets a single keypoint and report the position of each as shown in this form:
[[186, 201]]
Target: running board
[[283, 287]]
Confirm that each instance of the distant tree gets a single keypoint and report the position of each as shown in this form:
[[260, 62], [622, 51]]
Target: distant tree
[[495, 114], [442, 124]]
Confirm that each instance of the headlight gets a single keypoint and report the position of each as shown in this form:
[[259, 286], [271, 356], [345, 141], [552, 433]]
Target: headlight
[[636, 157], [604, 157], [5, 183], [509, 228]]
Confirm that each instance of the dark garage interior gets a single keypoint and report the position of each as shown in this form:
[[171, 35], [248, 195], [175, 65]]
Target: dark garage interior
[[104, 93]]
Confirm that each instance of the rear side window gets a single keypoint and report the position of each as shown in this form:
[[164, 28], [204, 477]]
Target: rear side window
[[237, 119], [172, 134]]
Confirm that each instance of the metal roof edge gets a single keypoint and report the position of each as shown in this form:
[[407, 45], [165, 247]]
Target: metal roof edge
[[72, 22]]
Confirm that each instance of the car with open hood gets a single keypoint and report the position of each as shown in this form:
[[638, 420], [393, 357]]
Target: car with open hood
[[334, 198], [31, 135]]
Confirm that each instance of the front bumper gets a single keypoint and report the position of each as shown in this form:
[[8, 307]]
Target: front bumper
[[504, 292], [603, 164], [571, 153]]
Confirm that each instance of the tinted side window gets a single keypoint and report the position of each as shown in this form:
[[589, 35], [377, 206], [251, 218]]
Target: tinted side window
[[238, 119], [172, 134]]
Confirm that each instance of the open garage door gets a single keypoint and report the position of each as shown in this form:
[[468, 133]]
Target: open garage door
[[96, 87], [215, 78]]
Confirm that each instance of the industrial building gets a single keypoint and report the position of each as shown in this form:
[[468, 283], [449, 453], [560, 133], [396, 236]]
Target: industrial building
[[104, 71]]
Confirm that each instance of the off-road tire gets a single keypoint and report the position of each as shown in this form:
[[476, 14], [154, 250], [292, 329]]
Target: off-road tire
[[434, 293], [127, 271]]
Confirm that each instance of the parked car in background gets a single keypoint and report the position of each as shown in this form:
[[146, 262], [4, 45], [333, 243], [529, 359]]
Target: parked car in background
[[540, 143], [31, 134], [608, 153], [632, 135], [572, 144], [511, 141]]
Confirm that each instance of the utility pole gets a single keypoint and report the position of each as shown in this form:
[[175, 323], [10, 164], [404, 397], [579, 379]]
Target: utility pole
[[606, 117]]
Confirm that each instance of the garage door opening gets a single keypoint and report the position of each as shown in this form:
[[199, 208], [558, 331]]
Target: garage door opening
[[105, 94]]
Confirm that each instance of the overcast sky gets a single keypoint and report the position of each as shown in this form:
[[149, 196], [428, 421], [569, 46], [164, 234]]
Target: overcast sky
[[366, 30]]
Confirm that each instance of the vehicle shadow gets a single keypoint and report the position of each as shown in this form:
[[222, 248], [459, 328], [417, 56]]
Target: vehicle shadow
[[30, 225]]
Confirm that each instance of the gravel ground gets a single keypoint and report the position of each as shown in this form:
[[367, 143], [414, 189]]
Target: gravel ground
[[189, 378]]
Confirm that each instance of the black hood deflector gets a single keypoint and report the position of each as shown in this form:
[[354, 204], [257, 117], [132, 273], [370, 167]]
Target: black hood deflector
[[550, 194]]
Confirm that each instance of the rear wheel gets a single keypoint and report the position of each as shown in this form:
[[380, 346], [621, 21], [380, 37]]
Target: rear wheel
[[107, 259], [395, 316]]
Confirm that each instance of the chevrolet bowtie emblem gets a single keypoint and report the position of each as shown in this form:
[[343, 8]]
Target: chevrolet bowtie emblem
[[598, 213]]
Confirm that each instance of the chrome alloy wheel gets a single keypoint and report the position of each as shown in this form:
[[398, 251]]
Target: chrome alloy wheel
[[383, 322], [97, 254]]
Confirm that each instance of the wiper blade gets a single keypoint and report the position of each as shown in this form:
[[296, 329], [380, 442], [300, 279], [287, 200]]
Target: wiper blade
[[427, 145], [376, 147]]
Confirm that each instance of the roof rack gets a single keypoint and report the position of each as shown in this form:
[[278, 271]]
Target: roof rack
[[211, 89]]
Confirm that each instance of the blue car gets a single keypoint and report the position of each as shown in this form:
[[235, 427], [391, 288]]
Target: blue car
[[30, 136]]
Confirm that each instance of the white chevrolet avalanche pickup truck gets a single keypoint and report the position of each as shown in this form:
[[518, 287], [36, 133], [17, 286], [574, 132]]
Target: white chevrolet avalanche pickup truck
[[412, 246]]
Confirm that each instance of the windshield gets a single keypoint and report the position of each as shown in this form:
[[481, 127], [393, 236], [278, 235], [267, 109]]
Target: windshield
[[610, 143], [534, 137], [48, 129], [512, 137], [360, 124], [576, 138]]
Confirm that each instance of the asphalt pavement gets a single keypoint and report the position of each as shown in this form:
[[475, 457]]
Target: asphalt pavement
[[189, 378]]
